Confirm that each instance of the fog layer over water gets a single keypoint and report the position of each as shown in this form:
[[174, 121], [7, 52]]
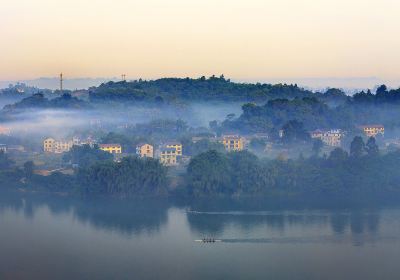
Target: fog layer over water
[[63, 238]]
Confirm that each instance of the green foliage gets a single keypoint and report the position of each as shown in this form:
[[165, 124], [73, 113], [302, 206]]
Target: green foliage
[[317, 146], [132, 176], [84, 156], [29, 167], [357, 147], [5, 161], [209, 173], [371, 147], [172, 89], [201, 146], [39, 101], [257, 144], [293, 131], [242, 173], [126, 142]]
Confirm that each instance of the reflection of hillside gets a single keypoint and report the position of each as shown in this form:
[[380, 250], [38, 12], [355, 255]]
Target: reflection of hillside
[[124, 216]]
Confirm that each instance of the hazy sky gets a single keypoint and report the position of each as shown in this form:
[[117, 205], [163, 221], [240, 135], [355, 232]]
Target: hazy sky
[[244, 39]]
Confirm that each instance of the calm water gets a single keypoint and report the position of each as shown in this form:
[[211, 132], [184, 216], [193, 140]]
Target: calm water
[[64, 238]]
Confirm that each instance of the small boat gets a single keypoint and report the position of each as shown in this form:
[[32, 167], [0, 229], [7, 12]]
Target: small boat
[[208, 240]]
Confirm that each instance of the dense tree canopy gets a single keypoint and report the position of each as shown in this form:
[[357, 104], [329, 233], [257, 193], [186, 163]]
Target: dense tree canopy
[[84, 156], [213, 88], [131, 176]]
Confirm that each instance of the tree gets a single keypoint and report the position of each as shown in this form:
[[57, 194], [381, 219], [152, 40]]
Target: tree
[[132, 176], [317, 147], [29, 166], [209, 173], [85, 155], [5, 161], [371, 147], [338, 155], [381, 90], [258, 144], [357, 147], [294, 131]]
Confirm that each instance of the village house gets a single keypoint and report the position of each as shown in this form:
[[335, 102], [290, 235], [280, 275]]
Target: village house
[[145, 150], [233, 142], [175, 145], [111, 148], [50, 145], [168, 156], [373, 130], [331, 137]]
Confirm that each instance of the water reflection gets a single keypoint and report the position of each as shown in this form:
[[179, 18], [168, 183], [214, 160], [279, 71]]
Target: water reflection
[[123, 216], [212, 217], [358, 224]]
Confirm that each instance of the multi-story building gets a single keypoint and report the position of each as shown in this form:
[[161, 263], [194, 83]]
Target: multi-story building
[[233, 142], [373, 130], [50, 145], [175, 145], [331, 137], [168, 156], [145, 150], [317, 134], [111, 148]]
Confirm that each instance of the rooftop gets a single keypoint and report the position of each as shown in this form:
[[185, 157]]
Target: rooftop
[[109, 145]]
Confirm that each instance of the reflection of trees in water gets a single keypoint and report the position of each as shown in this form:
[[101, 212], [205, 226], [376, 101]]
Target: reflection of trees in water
[[124, 216], [213, 223], [357, 222], [215, 217], [128, 216], [362, 226]]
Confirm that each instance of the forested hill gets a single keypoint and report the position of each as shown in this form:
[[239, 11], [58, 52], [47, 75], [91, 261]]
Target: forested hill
[[39, 101], [201, 89]]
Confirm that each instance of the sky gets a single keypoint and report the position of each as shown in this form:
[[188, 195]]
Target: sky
[[242, 39]]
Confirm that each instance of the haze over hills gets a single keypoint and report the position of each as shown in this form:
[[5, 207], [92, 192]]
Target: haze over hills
[[54, 82], [349, 85]]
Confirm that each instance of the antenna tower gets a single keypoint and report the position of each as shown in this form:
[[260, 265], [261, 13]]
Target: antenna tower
[[61, 83]]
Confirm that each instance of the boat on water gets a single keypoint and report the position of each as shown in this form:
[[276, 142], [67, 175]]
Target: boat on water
[[208, 240]]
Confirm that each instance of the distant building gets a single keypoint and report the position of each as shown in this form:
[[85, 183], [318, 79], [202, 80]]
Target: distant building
[[168, 156], [331, 137], [145, 150], [373, 130], [5, 130], [50, 145], [233, 142], [111, 148], [317, 134], [175, 145]]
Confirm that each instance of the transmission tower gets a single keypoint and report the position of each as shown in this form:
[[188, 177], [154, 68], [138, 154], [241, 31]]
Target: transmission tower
[[61, 83]]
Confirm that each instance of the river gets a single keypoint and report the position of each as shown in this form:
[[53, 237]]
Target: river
[[47, 237]]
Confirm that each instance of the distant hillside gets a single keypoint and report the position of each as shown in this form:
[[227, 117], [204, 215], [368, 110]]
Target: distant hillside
[[54, 83], [201, 89], [39, 101]]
